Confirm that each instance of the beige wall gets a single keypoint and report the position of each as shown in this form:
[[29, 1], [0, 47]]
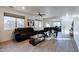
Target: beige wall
[[5, 34]]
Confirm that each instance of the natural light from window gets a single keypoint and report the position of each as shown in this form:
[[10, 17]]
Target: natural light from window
[[10, 23]]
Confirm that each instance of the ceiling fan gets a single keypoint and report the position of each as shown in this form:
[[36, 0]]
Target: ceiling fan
[[40, 14], [11, 7]]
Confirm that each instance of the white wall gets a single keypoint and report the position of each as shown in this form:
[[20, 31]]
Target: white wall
[[66, 24], [5, 34]]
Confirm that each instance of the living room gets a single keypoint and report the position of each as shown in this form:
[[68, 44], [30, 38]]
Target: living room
[[40, 23]]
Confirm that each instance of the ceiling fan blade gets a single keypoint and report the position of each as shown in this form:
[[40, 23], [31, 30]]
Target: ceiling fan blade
[[11, 6], [40, 14]]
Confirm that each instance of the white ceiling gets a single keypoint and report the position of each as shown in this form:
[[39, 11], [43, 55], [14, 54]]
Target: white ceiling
[[50, 11]]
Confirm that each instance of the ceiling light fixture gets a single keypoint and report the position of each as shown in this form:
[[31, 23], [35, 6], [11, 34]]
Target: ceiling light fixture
[[23, 7]]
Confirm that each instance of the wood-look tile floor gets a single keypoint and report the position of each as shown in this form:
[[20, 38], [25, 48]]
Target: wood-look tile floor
[[46, 46], [61, 44]]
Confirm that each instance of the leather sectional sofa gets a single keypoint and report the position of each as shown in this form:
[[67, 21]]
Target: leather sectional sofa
[[22, 34]]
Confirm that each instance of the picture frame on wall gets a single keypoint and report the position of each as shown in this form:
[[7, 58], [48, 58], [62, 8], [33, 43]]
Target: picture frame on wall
[[30, 22]]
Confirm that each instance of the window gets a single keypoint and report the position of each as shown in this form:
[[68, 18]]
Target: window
[[56, 24], [47, 25], [20, 23], [11, 23], [53, 23], [38, 25]]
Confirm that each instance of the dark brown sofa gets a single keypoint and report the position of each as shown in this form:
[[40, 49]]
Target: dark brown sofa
[[22, 34]]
